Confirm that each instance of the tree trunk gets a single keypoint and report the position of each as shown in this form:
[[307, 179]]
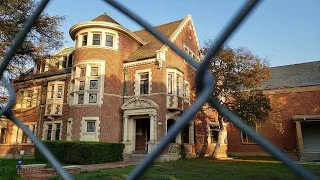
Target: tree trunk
[[220, 138]]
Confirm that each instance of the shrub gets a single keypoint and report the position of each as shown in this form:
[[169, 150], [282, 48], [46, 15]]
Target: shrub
[[83, 152]]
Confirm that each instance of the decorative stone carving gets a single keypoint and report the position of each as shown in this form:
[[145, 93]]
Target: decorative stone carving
[[139, 103]]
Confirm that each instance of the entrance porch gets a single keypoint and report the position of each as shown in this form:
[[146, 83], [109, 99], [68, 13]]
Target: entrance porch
[[308, 136]]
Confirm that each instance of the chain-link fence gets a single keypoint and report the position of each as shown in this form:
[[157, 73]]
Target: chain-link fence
[[204, 83]]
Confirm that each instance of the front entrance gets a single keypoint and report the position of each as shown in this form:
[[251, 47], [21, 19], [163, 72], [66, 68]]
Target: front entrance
[[311, 136], [142, 134]]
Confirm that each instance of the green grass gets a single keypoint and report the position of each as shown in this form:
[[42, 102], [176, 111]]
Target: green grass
[[204, 169]]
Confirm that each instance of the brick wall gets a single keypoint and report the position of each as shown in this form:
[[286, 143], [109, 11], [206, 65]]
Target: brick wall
[[279, 128]]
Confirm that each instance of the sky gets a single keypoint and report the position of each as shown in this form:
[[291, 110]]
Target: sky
[[284, 31]]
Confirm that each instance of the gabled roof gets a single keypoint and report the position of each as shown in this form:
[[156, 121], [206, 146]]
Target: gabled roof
[[105, 18], [64, 50], [153, 44], [295, 75]]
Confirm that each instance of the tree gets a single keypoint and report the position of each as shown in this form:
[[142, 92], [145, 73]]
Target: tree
[[239, 73], [43, 38]]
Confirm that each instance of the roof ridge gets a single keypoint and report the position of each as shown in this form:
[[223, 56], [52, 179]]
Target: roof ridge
[[296, 64], [159, 25]]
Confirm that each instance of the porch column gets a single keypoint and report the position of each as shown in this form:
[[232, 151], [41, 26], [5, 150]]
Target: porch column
[[299, 136], [178, 138], [152, 133], [125, 129], [191, 133]]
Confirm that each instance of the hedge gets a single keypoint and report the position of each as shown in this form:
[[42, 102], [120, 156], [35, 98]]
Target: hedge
[[83, 152]]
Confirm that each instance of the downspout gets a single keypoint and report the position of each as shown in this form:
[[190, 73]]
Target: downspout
[[125, 93]]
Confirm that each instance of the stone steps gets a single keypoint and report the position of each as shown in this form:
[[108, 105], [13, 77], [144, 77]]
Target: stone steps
[[310, 157]]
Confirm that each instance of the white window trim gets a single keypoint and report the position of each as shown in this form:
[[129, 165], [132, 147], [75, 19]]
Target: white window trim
[[17, 133], [69, 130], [175, 73], [189, 50], [256, 126], [74, 86], [103, 32], [137, 81], [45, 128], [83, 131], [35, 91], [209, 130], [55, 99]]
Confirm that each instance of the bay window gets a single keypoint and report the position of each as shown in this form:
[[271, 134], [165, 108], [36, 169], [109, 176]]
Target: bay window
[[174, 82], [28, 98], [87, 83]]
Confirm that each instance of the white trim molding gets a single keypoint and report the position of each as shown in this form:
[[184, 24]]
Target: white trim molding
[[90, 136], [77, 27], [142, 62], [137, 81]]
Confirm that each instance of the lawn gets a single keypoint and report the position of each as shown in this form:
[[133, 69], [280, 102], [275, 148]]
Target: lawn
[[190, 169], [205, 169]]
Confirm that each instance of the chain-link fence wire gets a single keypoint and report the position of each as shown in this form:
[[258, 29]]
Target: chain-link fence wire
[[205, 84]]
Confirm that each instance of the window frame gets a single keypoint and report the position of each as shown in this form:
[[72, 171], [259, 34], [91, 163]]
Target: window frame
[[249, 140], [96, 98], [93, 39], [145, 81], [216, 129], [106, 40], [84, 39], [87, 126]]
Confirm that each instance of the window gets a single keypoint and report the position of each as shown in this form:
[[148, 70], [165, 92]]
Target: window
[[86, 90], [70, 60], [82, 72], [96, 39], [91, 126], [214, 132], [59, 94], [84, 39], [170, 82], [93, 84], [93, 98], [144, 83], [53, 130], [58, 130], [2, 135], [248, 140], [49, 131], [80, 98], [64, 62], [51, 91], [24, 137], [94, 71], [178, 85], [190, 53], [27, 98], [81, 85], [109, 40]]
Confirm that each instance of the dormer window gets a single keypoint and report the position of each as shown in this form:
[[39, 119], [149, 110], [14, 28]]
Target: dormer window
[[96, 38], [84, 39], [109, 40]]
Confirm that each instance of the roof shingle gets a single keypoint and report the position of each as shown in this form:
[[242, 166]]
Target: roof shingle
[[295, 75], [104, 17], [153, 44]]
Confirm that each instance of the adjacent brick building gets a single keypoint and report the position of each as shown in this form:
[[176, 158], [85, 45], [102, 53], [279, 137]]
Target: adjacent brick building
[[294, 122]]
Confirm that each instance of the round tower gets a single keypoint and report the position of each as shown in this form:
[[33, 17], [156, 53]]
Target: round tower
[[96, 86]]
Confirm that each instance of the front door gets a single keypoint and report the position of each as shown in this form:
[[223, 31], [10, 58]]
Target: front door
[[142, 134]]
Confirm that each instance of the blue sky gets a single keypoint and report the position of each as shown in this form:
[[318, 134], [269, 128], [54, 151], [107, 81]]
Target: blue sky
[[285, 31]]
